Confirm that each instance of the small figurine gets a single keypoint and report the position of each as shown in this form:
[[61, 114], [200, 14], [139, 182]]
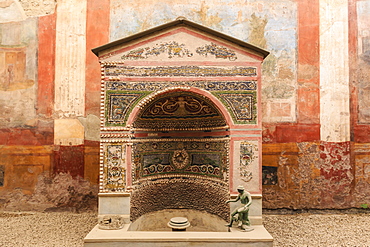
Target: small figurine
[[241, 214]]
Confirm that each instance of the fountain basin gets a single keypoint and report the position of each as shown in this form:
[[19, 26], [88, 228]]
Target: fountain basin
[[259, 237], [152, 230]]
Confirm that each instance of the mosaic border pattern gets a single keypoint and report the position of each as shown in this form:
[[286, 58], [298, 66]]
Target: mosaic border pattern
[[207, 85], [226, 91], [179, 71], [114, 178], [175, 50], [241, 105], [119, 105]]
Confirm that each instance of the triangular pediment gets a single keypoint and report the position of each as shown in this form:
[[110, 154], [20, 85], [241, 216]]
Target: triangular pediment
[[180, 40]]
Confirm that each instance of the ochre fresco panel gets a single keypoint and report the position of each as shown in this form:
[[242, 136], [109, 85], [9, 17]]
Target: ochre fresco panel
[[91, 162], [22, 165], [362, 174]]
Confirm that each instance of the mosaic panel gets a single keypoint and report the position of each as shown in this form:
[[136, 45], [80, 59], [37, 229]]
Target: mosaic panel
[[248, 153], [217, 50], [242, 105], [119, 104], [239, 97], [175, 50], [180, 111], [207, 158], [114, 167], [172, 48], [176, 71], [207, 85]]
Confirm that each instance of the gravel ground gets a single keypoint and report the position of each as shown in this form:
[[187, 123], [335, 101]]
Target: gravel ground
[[69, 229]]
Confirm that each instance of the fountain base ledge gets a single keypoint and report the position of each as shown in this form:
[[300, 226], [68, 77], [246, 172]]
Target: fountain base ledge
[[259, 237]]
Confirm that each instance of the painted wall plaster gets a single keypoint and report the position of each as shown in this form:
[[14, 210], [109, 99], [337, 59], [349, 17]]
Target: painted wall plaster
[[10, 11], [363, 10], [334, 71], [62, 192], [70, 59], [309, 174], [270, 25], [38, 7], [18, 73]]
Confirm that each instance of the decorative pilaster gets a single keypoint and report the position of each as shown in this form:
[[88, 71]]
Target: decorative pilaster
[[334, 71]]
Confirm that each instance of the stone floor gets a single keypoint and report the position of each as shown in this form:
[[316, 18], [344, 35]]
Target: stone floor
[[69, 229]]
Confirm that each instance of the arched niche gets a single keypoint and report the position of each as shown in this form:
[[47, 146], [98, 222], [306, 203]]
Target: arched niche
[[180, 155]]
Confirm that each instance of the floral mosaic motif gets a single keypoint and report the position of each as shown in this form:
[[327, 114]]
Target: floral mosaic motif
[[194, 157], [207, 85], [180, 159], [217, 50], [241, 104], [114, 168], [269, 175], [119, 105], [154, 163], [179, 111], [180, 105], [176, 71], [172, 48], [247, 156], [205, 163]]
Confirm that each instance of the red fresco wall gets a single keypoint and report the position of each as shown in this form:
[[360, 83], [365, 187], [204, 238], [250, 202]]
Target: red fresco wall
[[310, 172]]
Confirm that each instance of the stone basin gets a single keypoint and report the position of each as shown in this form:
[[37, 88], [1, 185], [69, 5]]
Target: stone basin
[[152, 230]]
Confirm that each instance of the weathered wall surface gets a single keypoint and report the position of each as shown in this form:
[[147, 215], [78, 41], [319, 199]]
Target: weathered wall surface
[[268, 24], [316, 116]]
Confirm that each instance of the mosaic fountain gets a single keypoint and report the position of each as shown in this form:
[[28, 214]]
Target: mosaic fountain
[[180, 131]]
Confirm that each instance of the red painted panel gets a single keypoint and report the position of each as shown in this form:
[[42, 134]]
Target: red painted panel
[[69, 159], [297, 133], [97, 33], [308, 62], [307, 127], [308, 105], [17, 136], [46, 64], [362, 133]]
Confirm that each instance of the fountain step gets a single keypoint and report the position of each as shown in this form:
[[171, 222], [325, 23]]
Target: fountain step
[[259, 237]]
